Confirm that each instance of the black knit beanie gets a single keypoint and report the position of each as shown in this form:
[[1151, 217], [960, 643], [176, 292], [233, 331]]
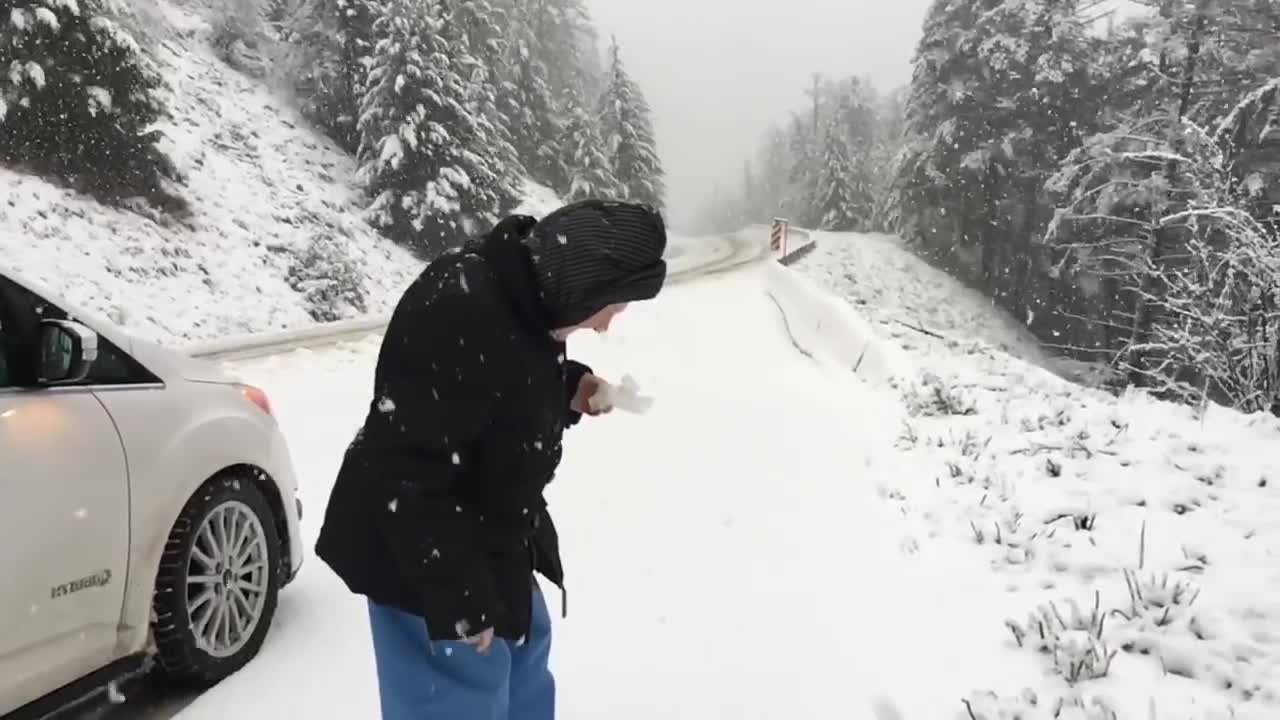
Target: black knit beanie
[[594, 253]]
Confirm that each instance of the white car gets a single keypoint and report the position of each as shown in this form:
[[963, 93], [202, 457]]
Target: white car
[[148, 509]]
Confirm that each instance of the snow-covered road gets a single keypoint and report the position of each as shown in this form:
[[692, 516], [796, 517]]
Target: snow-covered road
[[726, 553]]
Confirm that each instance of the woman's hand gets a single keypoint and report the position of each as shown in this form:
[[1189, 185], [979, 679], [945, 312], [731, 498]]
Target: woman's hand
[[581, 401]]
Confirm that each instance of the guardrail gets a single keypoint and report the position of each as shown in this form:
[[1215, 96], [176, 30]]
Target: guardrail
[[252, 345], [744, 247], [799, 252]]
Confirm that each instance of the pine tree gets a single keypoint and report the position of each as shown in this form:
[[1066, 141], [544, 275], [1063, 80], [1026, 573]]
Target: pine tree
[[590, 174], [527, 102], [803, 174], [1199, 56], [426, 160], [473, 29], [563, 37], [331, 43], [78, 96], [999, 95], [628, 133], [840, 203]]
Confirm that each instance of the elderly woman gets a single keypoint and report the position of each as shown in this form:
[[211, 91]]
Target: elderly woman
[[437, 515]]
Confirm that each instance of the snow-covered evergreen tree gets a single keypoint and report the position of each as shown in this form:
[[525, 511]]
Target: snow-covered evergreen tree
[[800, 202], [1154, 208], [331, 43], [590, 173], [564, 38], [527, 100], [843, 200], [78, 97], [473, 29], [1197, 57], [1000, 93], [629, 137], [426, 160]]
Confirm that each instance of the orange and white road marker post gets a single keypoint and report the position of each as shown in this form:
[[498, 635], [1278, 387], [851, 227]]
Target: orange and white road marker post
[[778, 235]]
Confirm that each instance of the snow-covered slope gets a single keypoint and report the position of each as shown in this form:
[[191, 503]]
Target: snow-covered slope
[[1167, 522], [910, 298], [263, 185]]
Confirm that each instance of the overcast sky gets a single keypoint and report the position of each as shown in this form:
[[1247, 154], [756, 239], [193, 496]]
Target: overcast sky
[[718, 72]]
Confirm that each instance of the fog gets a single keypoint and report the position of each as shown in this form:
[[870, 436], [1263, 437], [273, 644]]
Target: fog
[[718, 72]]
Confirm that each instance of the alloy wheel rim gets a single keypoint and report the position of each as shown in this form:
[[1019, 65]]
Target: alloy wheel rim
[[227, 579]]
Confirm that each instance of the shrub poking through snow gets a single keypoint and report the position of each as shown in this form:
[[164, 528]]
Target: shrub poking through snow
[[1074, 643], [932, 396], [238, 32], [328, 278], [1154, 597]]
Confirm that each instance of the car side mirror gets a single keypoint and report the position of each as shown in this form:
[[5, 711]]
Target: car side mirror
[[67, 352]]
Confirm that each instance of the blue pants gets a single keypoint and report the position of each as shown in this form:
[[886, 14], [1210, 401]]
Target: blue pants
[[421, 679]]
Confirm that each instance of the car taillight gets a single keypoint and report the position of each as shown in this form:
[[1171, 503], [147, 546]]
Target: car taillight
[[257, 397]]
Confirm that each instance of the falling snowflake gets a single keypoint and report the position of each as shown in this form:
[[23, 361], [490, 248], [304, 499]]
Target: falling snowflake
[[395, 502], [386, 405], [457, 459]]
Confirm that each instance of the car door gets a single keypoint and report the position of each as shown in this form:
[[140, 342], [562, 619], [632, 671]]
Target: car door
[[64, 522]]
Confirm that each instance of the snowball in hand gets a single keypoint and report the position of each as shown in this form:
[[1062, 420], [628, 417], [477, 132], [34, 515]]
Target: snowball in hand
[[624, 397]]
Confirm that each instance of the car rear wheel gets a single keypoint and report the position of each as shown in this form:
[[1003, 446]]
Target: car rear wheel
[[219, 582]]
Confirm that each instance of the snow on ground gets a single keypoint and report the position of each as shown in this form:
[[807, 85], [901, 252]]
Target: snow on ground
[[727, 556], [1167, 521]]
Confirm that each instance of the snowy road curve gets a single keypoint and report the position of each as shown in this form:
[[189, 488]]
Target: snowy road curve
[[687, 258]]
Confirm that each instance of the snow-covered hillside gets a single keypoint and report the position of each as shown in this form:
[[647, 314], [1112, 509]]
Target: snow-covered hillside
[[1161, 525], [272, 203]]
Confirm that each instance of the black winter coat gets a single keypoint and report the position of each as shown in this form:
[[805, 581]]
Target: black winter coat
[[438, 509]]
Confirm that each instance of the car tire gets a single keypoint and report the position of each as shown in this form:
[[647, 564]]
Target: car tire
[[218, 584]]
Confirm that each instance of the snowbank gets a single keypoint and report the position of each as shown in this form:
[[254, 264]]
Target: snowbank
[[826, 328], [911, 300]]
